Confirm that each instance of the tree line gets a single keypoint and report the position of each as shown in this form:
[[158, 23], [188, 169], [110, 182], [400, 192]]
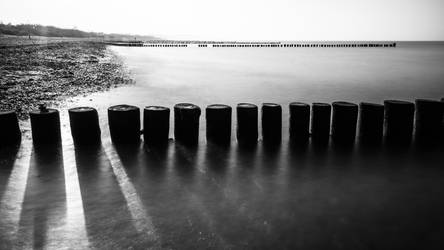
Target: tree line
[[51, 31], [40, 30]]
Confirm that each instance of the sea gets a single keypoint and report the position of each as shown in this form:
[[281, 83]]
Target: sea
[[212, 197]]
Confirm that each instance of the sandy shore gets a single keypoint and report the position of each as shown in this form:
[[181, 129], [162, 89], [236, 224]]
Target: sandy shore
[[35, 71]]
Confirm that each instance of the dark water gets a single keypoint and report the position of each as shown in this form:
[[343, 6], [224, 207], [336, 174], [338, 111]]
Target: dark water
[[213, 197], [226, 197]]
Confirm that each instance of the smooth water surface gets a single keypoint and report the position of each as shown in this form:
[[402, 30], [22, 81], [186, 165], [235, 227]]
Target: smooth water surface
[[212, 197]]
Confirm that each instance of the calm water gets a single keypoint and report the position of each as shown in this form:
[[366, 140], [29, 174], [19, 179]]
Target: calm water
[[111, 197], [282, 75], [203, 76]]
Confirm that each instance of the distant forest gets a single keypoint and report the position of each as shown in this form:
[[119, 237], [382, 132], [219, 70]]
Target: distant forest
[[51, 31]]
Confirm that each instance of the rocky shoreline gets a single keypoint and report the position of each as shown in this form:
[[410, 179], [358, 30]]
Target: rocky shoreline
[[52, 72]]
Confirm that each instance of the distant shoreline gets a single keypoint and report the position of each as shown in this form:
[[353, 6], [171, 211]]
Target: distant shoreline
[[13, 40]]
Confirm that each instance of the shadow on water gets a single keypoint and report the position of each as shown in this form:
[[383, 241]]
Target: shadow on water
[[44, 205], [164, 178], [8, 157], [307, 196], [108, 220]]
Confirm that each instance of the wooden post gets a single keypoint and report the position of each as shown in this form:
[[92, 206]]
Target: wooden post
[[399, 121], [45, 126], [218, 118], [320, 121], [124, 123], [156, 124], [247, 131], [85, 128], [429, 115], [271, 123], [371, 122], [345, 116], [186, 123], [9, 128], [299, 121], [442, 127]]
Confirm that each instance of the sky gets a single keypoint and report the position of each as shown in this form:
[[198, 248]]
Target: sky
[[294, 20]]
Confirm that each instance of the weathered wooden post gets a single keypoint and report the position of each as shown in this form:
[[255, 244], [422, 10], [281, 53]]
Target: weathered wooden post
[[124, 123], [247, 129], [345, 117], [371, 122], [218, 118], [156, 125], [442, 127], [186, 123], [399, 121], [45, 126], [320, 121], [85, 128], [9, 128], [299, 121], [429, 116], [271, 123]]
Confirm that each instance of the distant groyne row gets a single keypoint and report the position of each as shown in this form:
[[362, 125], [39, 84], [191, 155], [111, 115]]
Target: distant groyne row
[[306, 45], [184, 44], [394, 122]]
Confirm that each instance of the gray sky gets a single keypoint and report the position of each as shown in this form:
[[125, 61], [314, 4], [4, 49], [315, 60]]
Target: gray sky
[[240, 19]]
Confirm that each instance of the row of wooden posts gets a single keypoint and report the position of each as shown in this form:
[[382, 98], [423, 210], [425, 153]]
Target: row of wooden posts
[[317, 121], [257, 45], [309, 45]]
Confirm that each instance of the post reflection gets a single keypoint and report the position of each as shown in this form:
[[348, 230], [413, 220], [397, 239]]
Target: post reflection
[[213, 196]]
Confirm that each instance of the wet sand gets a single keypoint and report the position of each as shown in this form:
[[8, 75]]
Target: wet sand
[[34, 71]]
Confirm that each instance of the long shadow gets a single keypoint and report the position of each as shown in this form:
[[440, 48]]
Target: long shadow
[[164, 178], [147, 168], [8, 157], [209, 197], [44, 206], [109, 223]]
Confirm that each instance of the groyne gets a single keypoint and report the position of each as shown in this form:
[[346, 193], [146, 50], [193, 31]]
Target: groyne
[[184, 44], [394, 122]]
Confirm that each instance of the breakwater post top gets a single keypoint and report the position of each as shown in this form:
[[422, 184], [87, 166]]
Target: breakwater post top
[[122, 107], [156, 108], [246, 105], [81, 109], [186, 106]]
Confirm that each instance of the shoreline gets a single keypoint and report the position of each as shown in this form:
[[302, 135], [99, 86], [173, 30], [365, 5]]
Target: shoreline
[[52, 71]]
